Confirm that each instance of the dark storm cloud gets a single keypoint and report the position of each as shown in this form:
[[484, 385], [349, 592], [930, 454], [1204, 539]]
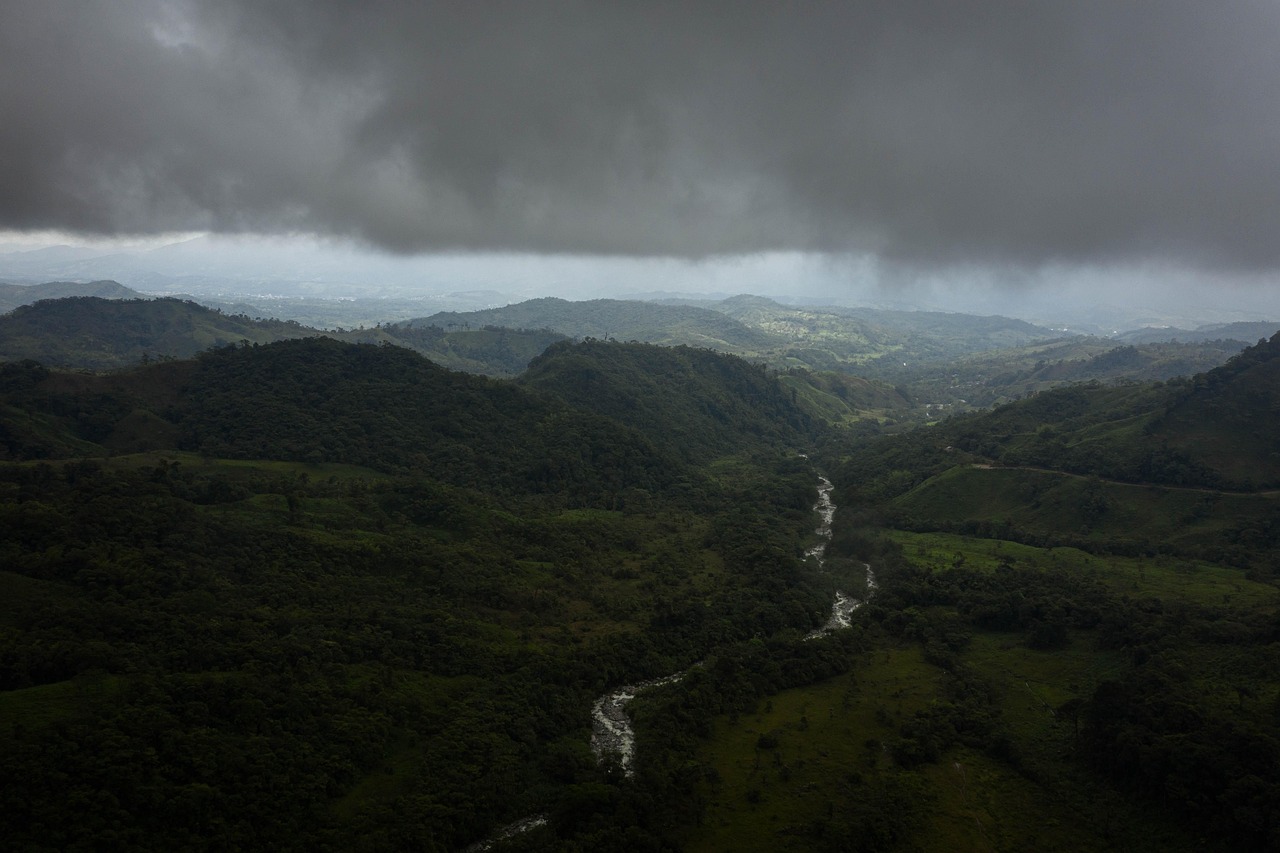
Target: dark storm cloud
[[924, 132]]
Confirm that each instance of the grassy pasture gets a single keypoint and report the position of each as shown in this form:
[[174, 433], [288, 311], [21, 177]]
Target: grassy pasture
[[1190, 581], [1050, 502], [46, 704], [808, 755], [245, 468], [763, 795]]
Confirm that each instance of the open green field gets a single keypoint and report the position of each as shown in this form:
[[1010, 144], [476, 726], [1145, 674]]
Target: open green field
[[318, 471], [1052, 503], [1190, 581], [779, 769], [812, 767]]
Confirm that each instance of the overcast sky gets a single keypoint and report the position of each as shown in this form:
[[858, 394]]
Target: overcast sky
[[1007, 138]]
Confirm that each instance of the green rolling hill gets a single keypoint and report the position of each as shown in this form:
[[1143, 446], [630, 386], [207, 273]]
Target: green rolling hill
[[14, 295], [614, 319]]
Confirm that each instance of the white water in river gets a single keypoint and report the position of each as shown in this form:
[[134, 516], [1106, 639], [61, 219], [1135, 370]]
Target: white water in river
[[844, 605], [611, 731], [511, 830]]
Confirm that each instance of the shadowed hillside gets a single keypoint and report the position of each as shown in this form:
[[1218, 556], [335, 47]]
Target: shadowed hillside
[[317, 595], [98, 333], [316, 400], [1227, 417], [704, 404]]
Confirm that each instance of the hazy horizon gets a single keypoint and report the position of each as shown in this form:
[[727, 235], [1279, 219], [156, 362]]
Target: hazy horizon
[[226, 267]]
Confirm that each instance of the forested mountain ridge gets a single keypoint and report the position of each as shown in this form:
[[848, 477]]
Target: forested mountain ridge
[[625, 412], [827, 338], [315, 399], [99, 334], [942, 362]]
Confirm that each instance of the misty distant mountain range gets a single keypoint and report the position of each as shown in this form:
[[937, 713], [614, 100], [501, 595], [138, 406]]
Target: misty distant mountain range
[[740, 323], [280, 273]]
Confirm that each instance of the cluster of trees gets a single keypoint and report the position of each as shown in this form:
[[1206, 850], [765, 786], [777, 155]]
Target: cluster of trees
[[1154, 734]]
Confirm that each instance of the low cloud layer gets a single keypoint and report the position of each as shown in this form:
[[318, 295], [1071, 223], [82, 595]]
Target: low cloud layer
[[923, 133]]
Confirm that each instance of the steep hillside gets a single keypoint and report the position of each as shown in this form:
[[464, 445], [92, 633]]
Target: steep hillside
[[1226, 418], [841, 399], [1091, 573], [1054, 463], [705, 404]]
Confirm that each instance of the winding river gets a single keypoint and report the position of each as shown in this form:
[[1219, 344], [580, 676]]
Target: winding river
[[844, 605], [611, 731]]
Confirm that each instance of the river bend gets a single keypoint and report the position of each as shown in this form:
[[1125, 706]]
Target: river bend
[[611, 729]]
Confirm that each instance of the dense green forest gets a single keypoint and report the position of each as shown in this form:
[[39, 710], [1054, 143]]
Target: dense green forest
[[316, 595], [322, 595]]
